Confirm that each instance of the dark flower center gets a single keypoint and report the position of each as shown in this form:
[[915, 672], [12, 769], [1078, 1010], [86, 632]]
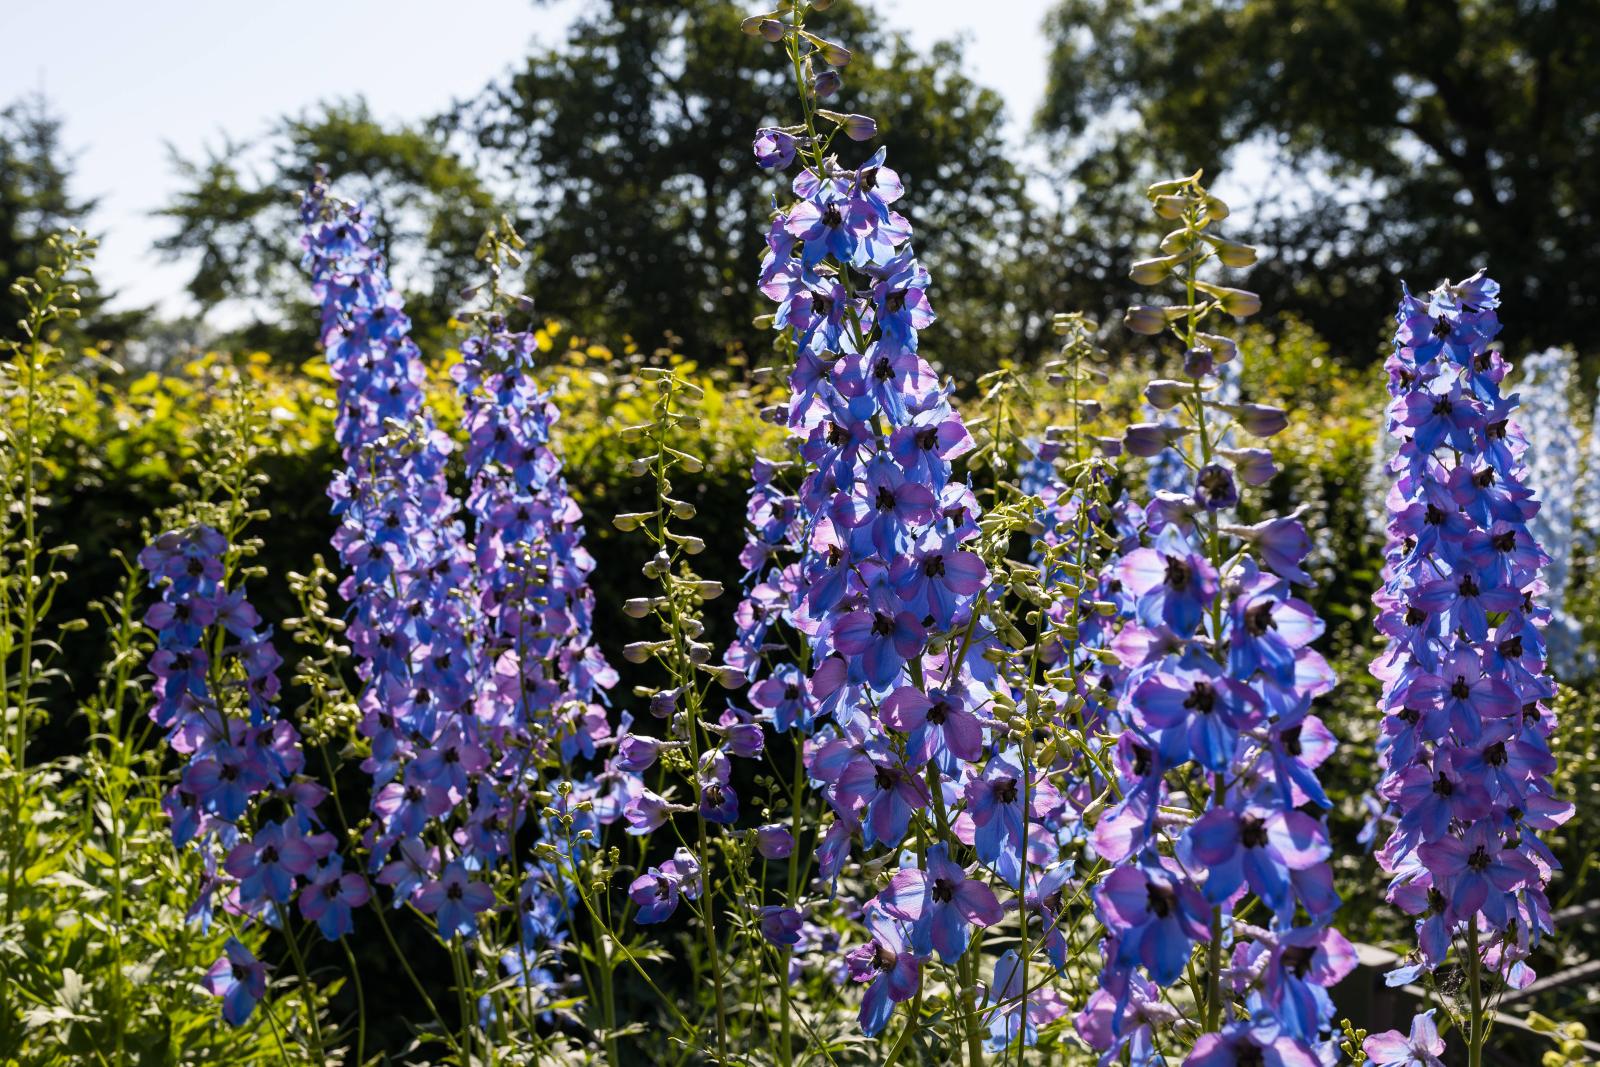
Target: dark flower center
[[943, 891], [1460, 689], [927, 438], [1297, 958], [939, 713], [883, 778], [1443, 787], [1258, 620], [831, 217], [1511, 647], [885, 501], [882, 625], [1202, 698], [1160, 899], [933, 566], [1504, 542], [1469, 585], [1177, 576], [1495, 754], [1141, 760], [1484, 478], [1441, 329], [1479, 860], [1005, 790], [1252, 832]]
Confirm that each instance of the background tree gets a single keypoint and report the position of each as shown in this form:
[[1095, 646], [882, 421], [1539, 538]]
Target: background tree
[[36, 201], [236, 213], [1417, 136], [619, 154], [641, 217]]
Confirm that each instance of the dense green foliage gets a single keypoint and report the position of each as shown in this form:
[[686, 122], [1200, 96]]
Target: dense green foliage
[[1414, 136]]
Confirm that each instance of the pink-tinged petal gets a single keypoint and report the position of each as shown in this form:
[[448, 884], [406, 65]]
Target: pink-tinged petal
[[906, 709], [1126, 895], [1142, 570], [906, 895], [1214, 837], [1159, 701], [1425, 1034], [978, 903], [964, 572], [1297, 623], [963, 735], [1299, 839], [1387, 1048]]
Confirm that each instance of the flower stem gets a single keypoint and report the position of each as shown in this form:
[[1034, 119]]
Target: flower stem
[[1475, 1034]]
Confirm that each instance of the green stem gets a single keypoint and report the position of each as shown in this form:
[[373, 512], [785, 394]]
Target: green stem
[[361, 1003], [1479, 1028], [308, 993]]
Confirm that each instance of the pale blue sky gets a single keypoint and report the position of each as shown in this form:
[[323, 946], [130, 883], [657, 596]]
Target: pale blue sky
[[131, 76]]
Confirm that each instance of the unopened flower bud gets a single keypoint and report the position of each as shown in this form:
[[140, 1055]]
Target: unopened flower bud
[[1171, 207], [640, 606], [1259, 420], [629, 521], [1254, 466], [826, 84], [1143, 319], [1151, 271], [641, 651], [1146, 439], [1198, 362], [860, 127], [1240, 302], [1164, 393], [1234, 254], [1223, 349]]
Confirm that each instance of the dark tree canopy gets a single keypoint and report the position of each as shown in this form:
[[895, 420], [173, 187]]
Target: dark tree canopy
[[646, 211], [240, 227], [36, 201], [1424, 138], [623, 156]]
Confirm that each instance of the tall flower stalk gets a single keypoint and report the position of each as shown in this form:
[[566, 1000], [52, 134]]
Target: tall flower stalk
[[1465, 743], [1219, 856], [30, 571]]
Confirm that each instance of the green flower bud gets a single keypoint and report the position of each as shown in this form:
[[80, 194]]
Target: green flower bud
[[1151, 271]]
